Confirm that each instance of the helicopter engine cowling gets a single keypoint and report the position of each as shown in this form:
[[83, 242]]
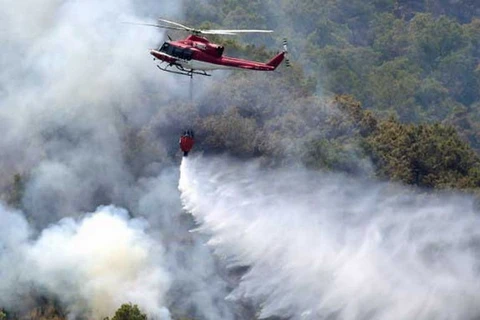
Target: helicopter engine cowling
[[216, 49], [210, 48]]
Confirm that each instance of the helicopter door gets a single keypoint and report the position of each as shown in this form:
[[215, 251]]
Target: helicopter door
[[187, 54]]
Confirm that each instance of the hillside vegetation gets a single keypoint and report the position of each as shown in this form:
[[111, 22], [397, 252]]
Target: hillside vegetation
[[396, 83]]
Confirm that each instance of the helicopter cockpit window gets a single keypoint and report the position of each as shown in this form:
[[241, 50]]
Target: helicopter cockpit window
[[165, 47]]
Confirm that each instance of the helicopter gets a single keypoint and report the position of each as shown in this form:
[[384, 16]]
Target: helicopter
[[197, 55]]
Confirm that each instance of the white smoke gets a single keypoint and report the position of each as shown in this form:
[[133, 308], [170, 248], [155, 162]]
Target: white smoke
[[71, 74], [92, 265], [68, 72], [198, 289], [73, 81], [325, 246]]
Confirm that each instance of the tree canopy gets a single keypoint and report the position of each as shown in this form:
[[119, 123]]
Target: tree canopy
[[127, 311]]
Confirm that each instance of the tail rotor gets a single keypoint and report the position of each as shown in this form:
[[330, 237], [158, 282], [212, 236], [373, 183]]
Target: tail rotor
[[285, 49]]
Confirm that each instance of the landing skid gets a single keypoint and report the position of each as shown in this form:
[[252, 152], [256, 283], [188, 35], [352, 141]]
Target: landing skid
[[182, 71]]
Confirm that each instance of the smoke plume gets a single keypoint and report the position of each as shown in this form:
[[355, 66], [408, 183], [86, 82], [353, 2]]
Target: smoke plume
[[92, 265], [72, 78], [326, 246], [74, 82]]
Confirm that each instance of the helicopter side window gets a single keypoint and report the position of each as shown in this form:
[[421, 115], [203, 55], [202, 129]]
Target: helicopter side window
[[187, 54], [182, 53], [177, 52]]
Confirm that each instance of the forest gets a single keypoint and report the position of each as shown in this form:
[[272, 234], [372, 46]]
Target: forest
[[386, 90], [396, 83]]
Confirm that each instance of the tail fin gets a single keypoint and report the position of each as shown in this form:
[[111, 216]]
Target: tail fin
[[275, 62]]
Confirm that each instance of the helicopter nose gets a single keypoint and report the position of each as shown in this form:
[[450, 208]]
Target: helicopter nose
[[154, 53]]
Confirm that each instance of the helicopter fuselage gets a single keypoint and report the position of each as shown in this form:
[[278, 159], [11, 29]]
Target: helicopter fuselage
[[197, 53]]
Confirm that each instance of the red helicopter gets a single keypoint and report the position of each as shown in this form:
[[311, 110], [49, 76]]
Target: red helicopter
[[197, 55]]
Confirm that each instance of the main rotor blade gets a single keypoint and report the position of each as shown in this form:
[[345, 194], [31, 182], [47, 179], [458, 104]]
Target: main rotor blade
[[217, 31], [154, 25], [176, 24]]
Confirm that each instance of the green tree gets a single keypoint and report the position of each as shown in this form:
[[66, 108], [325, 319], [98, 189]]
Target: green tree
[[425, 155], [457, 72], [393, 86], [332, 155], [390, 37], [472, 31], [433, 39], [466, 121], [229, 131], [357, 15], [345, 71], [434, 99], [128, 312], [462, 10]]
